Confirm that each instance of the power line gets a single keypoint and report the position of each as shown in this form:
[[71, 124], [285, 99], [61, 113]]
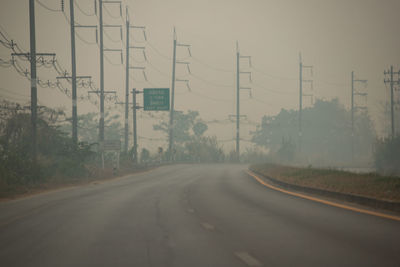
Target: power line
[[211, 83], [256, 85], [211, 98], [210, 66], [272, 76], [76, 33], [48, 8], [158, 51], [112, 39], [84, 12]]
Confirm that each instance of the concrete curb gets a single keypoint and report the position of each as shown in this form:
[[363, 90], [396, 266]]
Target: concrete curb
[[366, 201]]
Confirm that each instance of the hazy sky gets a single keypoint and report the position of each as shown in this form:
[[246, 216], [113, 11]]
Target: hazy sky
[[334, 36]]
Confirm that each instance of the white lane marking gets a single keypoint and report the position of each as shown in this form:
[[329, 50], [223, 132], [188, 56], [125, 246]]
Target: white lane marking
[[207, 226], [247, 258], [191, 210]]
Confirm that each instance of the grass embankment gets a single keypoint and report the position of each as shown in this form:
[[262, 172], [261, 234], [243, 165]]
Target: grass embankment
[[370, 185], [94, 174]]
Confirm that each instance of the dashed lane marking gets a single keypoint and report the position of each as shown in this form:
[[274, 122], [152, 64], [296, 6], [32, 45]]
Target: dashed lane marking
[[191, 210], [330, 203], [247, 258], [208, 226]]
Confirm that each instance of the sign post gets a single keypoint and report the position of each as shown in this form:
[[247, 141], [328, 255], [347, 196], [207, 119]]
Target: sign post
[[113, 146]]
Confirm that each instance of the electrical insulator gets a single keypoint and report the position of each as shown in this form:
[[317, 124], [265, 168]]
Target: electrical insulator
[[62, 5]]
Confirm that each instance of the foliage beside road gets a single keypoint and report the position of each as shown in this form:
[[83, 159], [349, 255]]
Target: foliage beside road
[[368, 185], [59, 161], [387, 155], [190, 143], [326, 138]]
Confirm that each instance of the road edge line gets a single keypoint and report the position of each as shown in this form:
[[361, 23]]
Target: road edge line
[[326, 202]]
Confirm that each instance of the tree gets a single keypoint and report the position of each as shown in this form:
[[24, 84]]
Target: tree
[[326, 137], [386, 155], [190, 143], [57, 155], [183, 126], [88, 127]]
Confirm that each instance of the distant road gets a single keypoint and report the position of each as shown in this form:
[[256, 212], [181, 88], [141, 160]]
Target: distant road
[[189, 215]]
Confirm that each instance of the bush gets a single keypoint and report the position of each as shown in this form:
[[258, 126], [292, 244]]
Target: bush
[[387, 155], [57, 156]]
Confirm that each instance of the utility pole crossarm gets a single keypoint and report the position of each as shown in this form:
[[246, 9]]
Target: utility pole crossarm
[[85, 26], [70, 77], [37, 54], [112, 50]]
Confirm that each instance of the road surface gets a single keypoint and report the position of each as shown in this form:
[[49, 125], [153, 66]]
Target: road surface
[[189, 215]]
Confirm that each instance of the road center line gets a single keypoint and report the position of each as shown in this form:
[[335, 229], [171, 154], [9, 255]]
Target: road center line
[[247, 258], [208, 226], [190, 210], [330, 203]]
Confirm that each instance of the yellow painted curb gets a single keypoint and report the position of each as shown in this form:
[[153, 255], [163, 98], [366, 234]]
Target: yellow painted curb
[[326, 202]]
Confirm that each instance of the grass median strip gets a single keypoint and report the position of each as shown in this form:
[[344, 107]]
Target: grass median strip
[[330, 203], [370, 185]]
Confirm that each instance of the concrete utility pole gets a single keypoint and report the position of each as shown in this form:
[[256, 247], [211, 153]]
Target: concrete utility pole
[[171, 112], [102, 50], [237, 102], [101, 122], [134, 120], [238, 88], [354, 107], [135, 152], [352, 115], [73, 72], [301, 95], [127, 85], [172, 107], [33, 77], [391, 100], [300, 99], [127, 68], [392, 82]]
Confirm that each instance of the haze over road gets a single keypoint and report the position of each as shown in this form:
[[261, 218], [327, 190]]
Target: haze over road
[[189, 215]]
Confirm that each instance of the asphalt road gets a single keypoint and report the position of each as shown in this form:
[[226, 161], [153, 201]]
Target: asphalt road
[[189, 215]]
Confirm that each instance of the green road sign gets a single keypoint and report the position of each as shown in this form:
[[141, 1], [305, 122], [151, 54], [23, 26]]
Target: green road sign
[[156, 99]]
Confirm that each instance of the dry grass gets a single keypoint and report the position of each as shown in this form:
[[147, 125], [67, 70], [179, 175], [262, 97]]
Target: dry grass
[[8, 192], [368, 185]]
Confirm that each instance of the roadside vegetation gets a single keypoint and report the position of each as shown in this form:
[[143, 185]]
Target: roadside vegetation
[[368, 185], [387, 155], [326, 138], [326, 141], [190, 142], [59, 161]]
